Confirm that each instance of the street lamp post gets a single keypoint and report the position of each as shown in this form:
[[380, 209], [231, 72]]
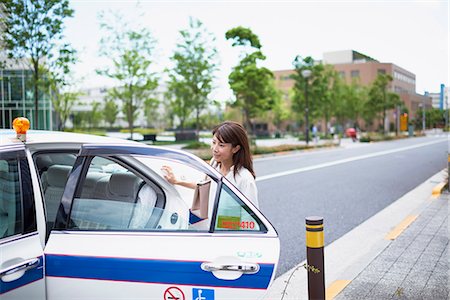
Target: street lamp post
[[306, 74], [422, 105], [423, 117]]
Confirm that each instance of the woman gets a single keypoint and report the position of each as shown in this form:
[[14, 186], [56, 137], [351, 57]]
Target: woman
[[231, 157]]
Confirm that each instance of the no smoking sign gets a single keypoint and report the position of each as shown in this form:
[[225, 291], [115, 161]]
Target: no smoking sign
[[174, 293]]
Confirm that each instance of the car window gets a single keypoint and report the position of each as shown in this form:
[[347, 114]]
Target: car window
[[53, 169], [114, 196], [10, 199], [17, 210], [234, 215]]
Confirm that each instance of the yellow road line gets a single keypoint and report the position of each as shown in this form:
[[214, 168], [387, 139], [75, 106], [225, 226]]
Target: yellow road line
[[400, 227], [335, 288], [438, 189]]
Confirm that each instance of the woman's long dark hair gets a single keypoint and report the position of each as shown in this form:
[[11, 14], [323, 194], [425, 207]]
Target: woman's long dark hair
[[234, 134]]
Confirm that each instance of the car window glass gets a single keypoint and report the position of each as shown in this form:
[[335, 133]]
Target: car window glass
[[53, 169], [10, 198], [234, 215], [114, 197]]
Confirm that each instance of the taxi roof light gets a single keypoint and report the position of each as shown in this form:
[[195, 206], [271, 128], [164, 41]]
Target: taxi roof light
[[21, 126]]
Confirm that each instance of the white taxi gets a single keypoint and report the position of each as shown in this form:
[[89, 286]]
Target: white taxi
[[88, 217]]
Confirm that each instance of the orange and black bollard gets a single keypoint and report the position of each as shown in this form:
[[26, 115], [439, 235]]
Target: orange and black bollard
[[314, 257]]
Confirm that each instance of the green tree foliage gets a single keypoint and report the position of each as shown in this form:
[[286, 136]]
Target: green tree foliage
[[151, 112], [33, 33], [191, 79], [63, 103], [434, 118], [252, 86], [130, 51], [325, 90], [381, 99], [95, 115], [350, 103], [60, 84], [300, 82], [110, 112], [178, 102]]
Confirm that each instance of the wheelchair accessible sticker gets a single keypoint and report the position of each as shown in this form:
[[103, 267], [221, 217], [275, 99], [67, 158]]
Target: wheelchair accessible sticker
[[202, 294]]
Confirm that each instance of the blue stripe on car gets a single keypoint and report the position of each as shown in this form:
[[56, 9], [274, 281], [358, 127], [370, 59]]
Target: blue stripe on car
[[30, 276], [149, 271]]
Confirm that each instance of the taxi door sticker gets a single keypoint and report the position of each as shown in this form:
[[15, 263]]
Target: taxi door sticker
[[202, 294], [228, 222], [173, 293]]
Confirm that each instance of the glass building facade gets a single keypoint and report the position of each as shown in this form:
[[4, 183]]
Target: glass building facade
[[17, 100]]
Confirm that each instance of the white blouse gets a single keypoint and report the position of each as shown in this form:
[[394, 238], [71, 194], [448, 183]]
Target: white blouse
[[244, 182]]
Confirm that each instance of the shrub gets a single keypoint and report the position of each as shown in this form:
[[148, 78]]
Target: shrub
[[197, 145]]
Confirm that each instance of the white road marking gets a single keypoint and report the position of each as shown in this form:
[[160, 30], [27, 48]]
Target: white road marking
[[343, 161]]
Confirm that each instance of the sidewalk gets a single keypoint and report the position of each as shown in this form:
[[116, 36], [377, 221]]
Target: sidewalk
[[400, 253], [414, 265]]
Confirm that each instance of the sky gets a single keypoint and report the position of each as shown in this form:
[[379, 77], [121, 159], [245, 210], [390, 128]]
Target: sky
[[411, 34]]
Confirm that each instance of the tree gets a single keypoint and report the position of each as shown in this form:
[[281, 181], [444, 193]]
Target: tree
[[300, 82], [95, 114], [110, 111], [63, 104], [252, 86], [350, 103], [151, 112], [131, 52], [325, 91], [32, 32], [380, 99], [195, 64], [178, 101], [60, 84]]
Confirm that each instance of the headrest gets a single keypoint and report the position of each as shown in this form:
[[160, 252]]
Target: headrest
[[57, 175], [123, 184], [3, 166], [147, 196], [43, 162]]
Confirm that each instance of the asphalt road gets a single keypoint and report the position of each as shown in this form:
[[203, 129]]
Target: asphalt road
[[346, 186]]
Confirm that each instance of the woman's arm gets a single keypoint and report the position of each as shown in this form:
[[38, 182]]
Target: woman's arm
[[170, 177]]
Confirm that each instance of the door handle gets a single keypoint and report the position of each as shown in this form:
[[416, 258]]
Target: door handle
[[246, 268], [22, 266]]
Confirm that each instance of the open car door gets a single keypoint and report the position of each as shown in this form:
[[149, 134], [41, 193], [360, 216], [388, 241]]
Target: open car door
[[123, 232]]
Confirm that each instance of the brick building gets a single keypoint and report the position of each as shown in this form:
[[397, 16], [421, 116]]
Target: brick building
[[355, 66]]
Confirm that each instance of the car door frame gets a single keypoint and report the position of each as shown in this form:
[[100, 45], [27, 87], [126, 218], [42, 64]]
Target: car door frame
[[22, 274]]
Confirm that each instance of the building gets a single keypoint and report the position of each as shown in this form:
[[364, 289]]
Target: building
[[354, 66], [17, 99], [17, 93], [99, 94], [439, 100]]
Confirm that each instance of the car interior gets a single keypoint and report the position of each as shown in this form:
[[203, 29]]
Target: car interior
[[106, 182]]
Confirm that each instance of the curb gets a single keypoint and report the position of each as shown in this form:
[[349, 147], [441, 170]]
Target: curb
[[437, 190]]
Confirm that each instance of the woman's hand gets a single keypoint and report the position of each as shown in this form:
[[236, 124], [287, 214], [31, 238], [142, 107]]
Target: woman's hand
[[168, 174]]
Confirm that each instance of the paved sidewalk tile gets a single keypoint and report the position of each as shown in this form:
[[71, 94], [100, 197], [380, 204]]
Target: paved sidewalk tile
[[414, 266]]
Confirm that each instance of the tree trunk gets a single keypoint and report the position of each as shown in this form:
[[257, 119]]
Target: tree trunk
[[36, 93], [384, 111], [197, 125], [130, 118], [247, 122]]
